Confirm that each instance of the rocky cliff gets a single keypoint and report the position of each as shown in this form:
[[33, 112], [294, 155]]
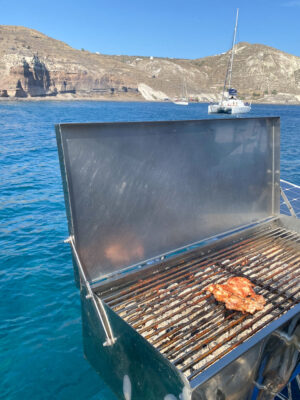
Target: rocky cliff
[[33, 65]]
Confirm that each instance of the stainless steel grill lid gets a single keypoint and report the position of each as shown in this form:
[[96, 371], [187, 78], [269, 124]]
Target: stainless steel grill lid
[[135, 191]]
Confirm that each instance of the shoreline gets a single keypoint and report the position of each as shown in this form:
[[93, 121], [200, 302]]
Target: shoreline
[[120, 100]]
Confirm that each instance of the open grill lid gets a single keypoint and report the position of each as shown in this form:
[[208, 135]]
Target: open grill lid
[[136, 191]]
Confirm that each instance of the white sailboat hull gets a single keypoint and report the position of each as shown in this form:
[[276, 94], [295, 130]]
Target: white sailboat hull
[[235, 107], [181, 103]]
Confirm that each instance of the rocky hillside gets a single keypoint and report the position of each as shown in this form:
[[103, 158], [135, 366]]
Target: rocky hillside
[[33, 65]]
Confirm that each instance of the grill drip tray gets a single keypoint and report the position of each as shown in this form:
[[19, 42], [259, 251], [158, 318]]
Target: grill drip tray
[[173, 311]]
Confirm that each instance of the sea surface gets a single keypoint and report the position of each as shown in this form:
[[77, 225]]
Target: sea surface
[[41, 353]]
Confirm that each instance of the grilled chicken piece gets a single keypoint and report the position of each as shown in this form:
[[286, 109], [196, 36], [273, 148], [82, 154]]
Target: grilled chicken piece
[[243, 287], [240, 286], [237, 294]]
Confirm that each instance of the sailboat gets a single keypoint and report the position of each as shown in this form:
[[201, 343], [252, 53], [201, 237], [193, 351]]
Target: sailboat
[[230, 104], [183, 100]]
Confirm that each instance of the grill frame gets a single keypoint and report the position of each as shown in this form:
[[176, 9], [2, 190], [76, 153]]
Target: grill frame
[[118, 352]]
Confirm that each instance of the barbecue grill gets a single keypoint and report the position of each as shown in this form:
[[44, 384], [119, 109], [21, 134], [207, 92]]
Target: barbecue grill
[[158, 211]]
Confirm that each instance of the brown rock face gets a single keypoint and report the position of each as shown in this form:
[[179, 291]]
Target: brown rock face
[[33, 79], [34, 65]]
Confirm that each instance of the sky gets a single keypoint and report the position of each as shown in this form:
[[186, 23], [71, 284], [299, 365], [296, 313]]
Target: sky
[[159, 28]]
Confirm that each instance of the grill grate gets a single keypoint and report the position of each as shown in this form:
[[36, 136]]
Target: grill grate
[[173, 311]]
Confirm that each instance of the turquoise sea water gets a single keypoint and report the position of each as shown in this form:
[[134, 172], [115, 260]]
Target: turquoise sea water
[[40, 326]]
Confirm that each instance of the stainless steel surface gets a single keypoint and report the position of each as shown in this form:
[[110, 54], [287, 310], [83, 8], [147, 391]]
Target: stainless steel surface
[[172, 310], [139, 190]]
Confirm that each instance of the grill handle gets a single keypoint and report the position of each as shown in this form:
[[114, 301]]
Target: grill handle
[[110, 339]]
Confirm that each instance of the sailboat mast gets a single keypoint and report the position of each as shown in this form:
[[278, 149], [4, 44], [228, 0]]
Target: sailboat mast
[[233, 44], [230, 61], [185, 90]]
